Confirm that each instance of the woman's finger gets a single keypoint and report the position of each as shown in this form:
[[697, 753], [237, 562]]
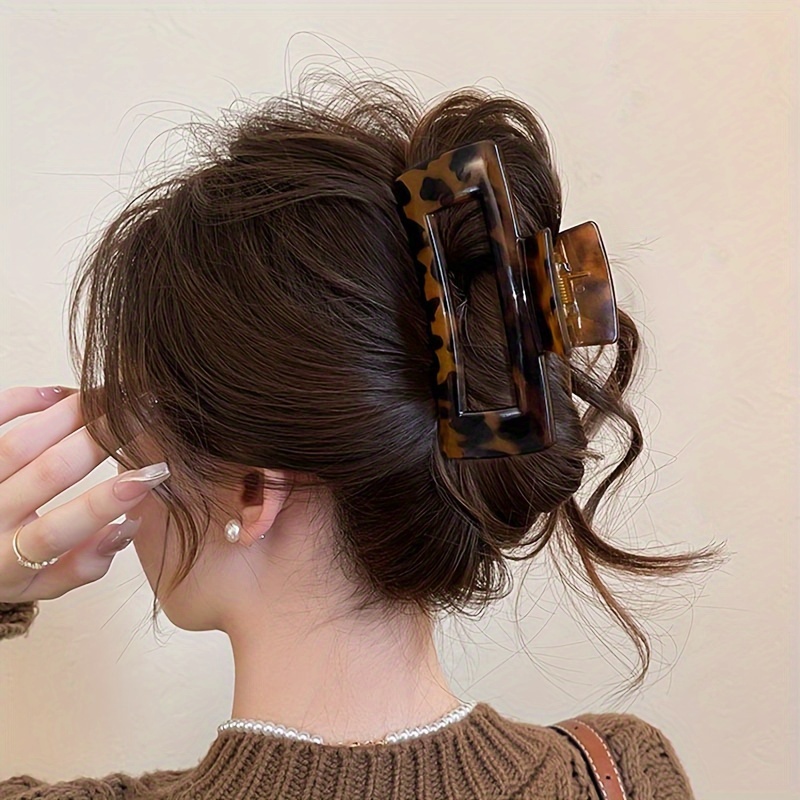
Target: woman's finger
[[81, 565], [70, 524], [18, 400], [54, 471], [24, 442]]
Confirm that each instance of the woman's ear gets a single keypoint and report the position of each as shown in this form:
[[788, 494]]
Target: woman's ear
[[261, 505]]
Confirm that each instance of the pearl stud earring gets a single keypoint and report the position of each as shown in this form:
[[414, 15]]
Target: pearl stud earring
[[232, 529]]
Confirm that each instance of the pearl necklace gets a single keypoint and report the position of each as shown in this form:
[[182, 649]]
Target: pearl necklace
[[272, 729]]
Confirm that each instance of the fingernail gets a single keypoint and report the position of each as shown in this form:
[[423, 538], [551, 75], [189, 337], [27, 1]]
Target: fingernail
[[131, 485], [52, 393], [119, 538]]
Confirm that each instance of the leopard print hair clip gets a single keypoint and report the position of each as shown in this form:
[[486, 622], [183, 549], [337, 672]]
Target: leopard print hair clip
[[555, 295]]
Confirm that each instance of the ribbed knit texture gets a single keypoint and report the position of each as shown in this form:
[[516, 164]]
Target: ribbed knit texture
[[484, 756]]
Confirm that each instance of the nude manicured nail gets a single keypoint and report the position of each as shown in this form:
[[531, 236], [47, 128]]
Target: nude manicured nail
[[131, 485], [52, 393], [119, 538]]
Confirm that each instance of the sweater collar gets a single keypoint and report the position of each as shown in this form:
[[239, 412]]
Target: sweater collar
[[481, 755]]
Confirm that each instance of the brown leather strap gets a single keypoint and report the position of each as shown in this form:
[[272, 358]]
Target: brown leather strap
[[602, 766]]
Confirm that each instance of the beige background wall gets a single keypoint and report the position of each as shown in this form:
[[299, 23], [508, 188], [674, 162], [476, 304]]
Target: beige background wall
[[675, 128]]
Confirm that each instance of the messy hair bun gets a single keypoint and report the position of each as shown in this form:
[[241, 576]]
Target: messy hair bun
[[267, 297]]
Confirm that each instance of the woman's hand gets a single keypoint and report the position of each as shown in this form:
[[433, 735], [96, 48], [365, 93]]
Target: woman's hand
[[40, 458]]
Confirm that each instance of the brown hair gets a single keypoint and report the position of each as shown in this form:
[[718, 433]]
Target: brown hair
[[267, 298]]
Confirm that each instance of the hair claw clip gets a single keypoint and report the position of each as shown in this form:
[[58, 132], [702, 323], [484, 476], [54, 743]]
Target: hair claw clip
[[572, 276], [553, 295]]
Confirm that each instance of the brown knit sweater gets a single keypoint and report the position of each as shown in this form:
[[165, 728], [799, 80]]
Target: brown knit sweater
[[484, 755]]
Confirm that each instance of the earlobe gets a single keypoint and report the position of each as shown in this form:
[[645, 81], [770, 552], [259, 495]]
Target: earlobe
[[250, 540], [234, 530]]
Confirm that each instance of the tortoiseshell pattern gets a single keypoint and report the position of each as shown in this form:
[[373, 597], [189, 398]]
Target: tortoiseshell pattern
[[541, 308], [572, 277]]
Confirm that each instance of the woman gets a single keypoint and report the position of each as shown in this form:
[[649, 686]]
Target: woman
[[258, 359]]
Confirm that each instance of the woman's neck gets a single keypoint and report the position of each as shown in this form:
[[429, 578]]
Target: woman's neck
[[343, 679]]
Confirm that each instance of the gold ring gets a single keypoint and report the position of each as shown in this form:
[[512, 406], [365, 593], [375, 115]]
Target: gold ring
[[22, 561]]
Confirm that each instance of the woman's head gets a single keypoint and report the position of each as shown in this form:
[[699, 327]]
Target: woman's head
[[267, 299]]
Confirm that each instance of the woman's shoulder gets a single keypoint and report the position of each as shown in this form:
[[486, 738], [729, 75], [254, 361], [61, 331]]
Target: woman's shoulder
[[117, 785], [629, 733], [553, 764], [645, 755]]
